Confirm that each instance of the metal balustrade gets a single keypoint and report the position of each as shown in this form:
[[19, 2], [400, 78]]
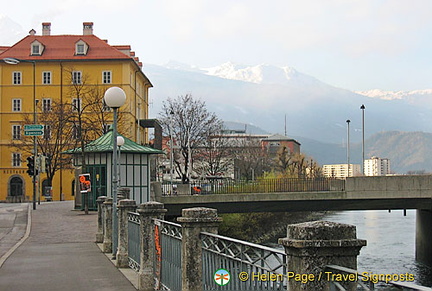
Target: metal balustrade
[[134, 246], [245, 261], [256, 186], [171, 246]]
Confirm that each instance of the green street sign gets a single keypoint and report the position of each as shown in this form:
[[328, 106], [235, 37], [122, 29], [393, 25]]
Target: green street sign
[[29, 127], [33, 132]]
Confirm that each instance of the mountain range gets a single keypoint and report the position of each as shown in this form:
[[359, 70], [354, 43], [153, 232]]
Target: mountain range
[[274, 98], [266, 96]]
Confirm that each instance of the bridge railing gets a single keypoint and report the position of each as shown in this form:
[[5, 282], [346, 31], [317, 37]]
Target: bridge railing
[[134, 246], [256, 186], [169, 248], [241, 258]]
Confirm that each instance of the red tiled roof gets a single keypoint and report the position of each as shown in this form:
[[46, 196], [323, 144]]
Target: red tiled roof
[[62, 47]]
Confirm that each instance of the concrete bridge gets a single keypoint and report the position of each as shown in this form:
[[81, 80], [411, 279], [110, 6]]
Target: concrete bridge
[[356, 193]]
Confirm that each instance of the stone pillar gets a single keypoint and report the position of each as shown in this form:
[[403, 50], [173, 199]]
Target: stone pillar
[[124, 206], [424, 236], [100, 231], [148, 211], [194, 221], [107, 224], [310, 246], [123, 193]]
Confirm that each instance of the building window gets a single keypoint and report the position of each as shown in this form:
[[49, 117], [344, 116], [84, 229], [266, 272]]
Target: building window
[[16, 132], [106, 77], [46, 104], [16, 78], [46, 78], [76, 104], [47, 132], [16, 160], [77, 77], [35, 49], [75, 132], [80, 49], [16, 105]]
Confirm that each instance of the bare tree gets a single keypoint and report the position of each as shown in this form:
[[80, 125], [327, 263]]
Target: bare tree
[[214, 157], [251, 161], [190, 124]]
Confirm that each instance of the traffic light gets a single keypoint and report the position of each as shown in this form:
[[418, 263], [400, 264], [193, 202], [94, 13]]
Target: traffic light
[[31, 166]]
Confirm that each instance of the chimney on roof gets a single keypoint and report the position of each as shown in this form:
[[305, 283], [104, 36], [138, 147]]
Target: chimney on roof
[[87, 28], [46, 28]]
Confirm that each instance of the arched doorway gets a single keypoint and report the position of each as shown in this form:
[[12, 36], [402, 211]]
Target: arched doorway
[[16, 186]]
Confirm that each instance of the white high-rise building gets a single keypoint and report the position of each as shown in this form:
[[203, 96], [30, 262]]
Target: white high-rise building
[[376, 166], [340, 171]]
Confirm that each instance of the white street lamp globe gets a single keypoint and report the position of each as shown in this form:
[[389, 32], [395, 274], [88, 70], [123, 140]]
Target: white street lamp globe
[[120, 141], [114, 97]]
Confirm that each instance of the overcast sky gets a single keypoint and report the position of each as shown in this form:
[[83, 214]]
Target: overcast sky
[[352, 44]]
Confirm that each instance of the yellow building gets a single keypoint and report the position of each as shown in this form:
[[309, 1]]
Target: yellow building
[[43, 72]]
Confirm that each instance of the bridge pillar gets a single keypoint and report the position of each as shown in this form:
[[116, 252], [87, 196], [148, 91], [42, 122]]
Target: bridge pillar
[[124, 206], [148, 211], [424, 236], [107, 224], [311, 246], [100, 231], [194, 221]]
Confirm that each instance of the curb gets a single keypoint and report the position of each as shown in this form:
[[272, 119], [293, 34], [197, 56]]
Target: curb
[[21, 241]]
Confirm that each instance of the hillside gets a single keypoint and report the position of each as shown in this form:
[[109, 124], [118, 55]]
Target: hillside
[[264, 95], [407, 151]]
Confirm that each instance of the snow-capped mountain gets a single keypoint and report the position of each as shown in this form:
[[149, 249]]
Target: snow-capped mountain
[[263, 95], [260, 74], [394, 95]]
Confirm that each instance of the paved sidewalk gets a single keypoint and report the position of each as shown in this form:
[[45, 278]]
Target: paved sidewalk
[[60, 254], [13, 224]]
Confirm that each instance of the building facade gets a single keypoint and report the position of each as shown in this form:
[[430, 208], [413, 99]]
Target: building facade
[[72, 72], [376, 166], [341, 171]]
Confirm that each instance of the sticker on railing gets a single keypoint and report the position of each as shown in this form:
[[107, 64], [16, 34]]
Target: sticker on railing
[[222, 277]]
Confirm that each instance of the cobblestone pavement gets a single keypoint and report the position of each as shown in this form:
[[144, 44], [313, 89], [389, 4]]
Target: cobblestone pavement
[[60, 254]]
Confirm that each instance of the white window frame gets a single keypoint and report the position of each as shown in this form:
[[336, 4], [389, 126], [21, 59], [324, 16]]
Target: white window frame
[[17, 77], [80, 49], [47, 132], [76, 104], [46, 104], [76, 77], [16, 159], [33, 49], [16, 105], [106, 77], [16, 132], [46, 77]]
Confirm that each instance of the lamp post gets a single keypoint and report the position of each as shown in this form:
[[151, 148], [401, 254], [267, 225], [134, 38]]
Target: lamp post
[[13, 61], [348, 146], [114, 97], [363, 132], [171, 152], [120, 143]]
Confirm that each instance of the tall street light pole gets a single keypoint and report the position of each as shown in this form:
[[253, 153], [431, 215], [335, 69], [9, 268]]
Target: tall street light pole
[[13, 61], [114, 97], [363, 135], [348, 146]]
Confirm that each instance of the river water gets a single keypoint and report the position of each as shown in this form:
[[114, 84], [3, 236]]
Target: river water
[[390, 242]]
